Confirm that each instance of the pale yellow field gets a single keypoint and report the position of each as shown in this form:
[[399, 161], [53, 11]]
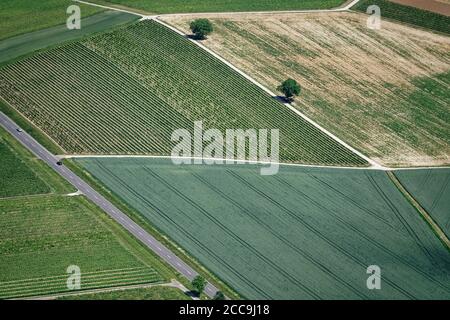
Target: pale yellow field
[[385, 92]]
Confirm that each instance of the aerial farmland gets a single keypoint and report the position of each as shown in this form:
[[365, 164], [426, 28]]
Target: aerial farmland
[[225, 150]]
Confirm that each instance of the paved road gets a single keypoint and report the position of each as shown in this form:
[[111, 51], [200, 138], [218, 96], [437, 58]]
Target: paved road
[[103, 203]]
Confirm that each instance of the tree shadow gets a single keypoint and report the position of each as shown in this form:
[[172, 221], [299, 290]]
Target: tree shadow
[[192, 294], [194, 37], [282, 99]]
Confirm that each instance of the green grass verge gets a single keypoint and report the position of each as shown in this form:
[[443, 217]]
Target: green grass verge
[[152, 293], [16, 178], [431, 188], [179, 6], [301, 234], [22, 16], [407, 14], [149, 227]]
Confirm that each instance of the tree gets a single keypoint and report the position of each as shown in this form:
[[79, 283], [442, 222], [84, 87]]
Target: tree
[[201, 28], [219, 296], [290, 88], [199, 284]]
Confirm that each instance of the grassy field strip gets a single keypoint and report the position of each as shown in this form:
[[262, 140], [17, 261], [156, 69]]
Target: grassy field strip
[[431, 189], [421, 210], [233, 6], [164, 291], [229, 13], [59, 277], [13, 48], [328, 222], [16, 177], [45, 289], [87, 279], [109, 8], [25, 16]]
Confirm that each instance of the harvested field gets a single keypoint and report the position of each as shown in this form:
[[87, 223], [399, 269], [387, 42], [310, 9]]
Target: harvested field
[[126, 91], [431, 188], [300, 234], [385, 92]]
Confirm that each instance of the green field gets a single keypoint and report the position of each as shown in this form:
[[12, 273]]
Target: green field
[[301, 234], [22, 16], [178, 6], [16, 178], [153, 293], [14, 47], [409, 15], [431, 188], [126, 91], [42, 234]]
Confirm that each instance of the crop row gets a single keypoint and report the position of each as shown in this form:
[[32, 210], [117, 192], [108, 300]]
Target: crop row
[[90, 280]]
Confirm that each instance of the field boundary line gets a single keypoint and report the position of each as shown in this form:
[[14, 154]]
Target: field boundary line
[[421, 210], [272, 94], [80, 156]]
